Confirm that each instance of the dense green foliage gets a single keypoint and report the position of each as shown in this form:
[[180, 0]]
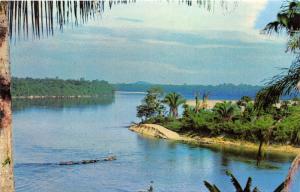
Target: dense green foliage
[[58, 87]]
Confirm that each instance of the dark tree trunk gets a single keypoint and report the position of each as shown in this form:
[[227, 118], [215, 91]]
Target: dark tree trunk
[[259, 153]]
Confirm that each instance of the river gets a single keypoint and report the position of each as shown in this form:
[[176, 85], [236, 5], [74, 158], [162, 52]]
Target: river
[[46, 134]]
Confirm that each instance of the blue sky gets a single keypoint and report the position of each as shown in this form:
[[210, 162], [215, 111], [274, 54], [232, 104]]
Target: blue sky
[[162, 42]]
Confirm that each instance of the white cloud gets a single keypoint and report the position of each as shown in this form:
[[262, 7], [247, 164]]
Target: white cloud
[[161, 15]]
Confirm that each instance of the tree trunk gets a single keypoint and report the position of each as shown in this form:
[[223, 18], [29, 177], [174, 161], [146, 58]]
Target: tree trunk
[[6, 160], [259, 152], [291, 174], [174, 112]]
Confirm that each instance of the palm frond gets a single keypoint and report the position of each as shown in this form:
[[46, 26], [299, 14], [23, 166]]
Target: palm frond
[[293, 44], [287, 21], [271, 27], [279, 85], [248, 185], [210, 187], [39, 17], [235, 182], [280, 188]]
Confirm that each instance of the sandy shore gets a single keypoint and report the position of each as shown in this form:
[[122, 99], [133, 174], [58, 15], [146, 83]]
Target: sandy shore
[[210, 103], [164, 133], [155, 131]]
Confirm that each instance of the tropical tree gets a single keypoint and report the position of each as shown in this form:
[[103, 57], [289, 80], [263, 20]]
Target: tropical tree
[[249, 113], [6, 160], [205, 100], [263, 129], [287, 21], [151, 105], [173, 100], [244, 101], [225, 110], [197, 103]]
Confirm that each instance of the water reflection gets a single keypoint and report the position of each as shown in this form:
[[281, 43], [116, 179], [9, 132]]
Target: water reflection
[[56, 103], [228, 155]]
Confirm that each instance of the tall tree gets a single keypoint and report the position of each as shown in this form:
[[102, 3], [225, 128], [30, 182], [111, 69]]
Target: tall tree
[[173, 100], [6, 160], [151, 105]]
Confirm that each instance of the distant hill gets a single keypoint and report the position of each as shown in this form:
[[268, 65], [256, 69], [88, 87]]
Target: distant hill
[[54, 87], [141, 83], [222, 91]]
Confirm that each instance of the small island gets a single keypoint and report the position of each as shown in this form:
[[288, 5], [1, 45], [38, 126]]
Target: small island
[[234, 123]]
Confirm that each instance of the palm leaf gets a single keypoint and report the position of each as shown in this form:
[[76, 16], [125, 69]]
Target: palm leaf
[[282, 84], [41, 15], [210, 187], [248, 185], [280, 188], [235, 182], [255, 190], [294, 42], [38, 18], [274, 26]]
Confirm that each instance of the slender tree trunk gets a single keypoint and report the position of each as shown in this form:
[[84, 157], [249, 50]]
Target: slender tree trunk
[[259, 153], [174, 112], [6, 160]]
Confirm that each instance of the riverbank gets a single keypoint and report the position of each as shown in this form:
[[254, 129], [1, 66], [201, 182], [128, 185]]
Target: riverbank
[[158, 131]]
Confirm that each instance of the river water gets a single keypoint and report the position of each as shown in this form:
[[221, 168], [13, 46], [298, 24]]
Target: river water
[[47, 133]]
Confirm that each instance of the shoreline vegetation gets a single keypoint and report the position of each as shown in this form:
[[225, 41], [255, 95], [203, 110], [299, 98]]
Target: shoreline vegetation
[[224, 123], [158, 131], [30, 88]]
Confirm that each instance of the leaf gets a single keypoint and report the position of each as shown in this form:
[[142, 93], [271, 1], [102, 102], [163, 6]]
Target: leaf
[[210, 187], [235, 182], [248, 185], [279, 188]]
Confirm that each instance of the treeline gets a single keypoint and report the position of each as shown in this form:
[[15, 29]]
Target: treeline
[[55, 87], [222, 91]]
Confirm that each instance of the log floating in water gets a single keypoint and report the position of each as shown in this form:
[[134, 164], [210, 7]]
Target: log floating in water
[[109, 158]]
